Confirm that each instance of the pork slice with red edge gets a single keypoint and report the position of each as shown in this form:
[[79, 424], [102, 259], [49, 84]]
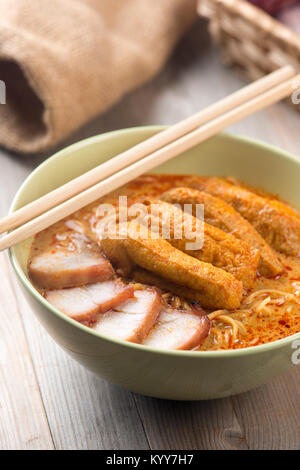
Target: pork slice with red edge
[[74, 302], [110, 294], [62, 268], [132, 320], [178, 329], [85, 303]]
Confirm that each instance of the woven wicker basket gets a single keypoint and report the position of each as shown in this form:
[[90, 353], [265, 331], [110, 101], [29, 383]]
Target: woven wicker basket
[[250, 39]]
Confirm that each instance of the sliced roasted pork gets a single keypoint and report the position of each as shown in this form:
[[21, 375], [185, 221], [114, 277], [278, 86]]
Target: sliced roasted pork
[[178, 329], [61, 267], [110, 294], [132, 320], [85, 303], [74, 302]]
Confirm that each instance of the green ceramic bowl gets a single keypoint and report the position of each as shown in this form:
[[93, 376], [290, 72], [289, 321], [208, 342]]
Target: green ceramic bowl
[[179, 375]]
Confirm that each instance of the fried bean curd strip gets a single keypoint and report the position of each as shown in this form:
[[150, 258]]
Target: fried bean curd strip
[[278, 224], [140, 247], [203, 241], [221, 215]]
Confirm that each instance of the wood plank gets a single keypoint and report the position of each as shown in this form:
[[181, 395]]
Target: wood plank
[[270, 415], [23, 423], [175, 425]]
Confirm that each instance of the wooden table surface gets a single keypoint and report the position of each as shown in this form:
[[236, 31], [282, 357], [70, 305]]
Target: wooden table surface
[[47, 400]]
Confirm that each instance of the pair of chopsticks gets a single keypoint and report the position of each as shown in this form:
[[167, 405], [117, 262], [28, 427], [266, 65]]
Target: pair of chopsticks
[[145, 156]]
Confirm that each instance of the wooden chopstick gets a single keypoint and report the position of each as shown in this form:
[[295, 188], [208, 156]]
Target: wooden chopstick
[[149, 162], [141, 150]]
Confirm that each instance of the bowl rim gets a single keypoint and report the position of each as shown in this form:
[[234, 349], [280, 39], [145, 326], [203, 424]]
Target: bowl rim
[[267, 347]]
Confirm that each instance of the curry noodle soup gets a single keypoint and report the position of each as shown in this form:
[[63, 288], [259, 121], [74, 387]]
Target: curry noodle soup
[[149, 268]]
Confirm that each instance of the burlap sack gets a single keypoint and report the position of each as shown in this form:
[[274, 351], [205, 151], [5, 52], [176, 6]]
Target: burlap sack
[[65, 61]]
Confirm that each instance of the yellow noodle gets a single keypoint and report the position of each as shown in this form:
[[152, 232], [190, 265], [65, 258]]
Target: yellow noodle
[[254, 340], [241, 326], [227, 336], [236, 325], [289, 309], [260, 307], [218, 336], [232, 323], [176, 302], [215, 314], [251, 297]]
